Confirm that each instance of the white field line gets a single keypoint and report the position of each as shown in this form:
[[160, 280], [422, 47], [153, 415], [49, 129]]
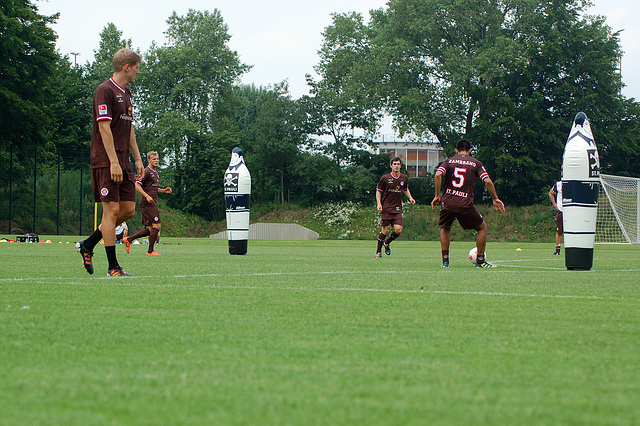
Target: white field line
[[133, 281], [253, 274], [453, 268], [386, 290]]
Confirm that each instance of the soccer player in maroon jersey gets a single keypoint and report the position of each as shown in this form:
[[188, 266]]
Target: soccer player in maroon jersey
[[148, 188], [459, 174], [112, 176], [389, 199], [555, 193]]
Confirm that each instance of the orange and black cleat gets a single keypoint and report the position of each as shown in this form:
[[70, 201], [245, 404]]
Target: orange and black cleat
[[87, 255], [117, 272]]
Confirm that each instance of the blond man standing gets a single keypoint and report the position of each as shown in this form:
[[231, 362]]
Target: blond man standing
[[112, 176]]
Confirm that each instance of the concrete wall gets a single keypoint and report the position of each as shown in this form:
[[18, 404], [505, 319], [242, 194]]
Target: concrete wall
[[275, 231]]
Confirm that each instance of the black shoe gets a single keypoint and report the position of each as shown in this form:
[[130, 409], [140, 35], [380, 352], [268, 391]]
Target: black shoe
[[557, 253], [387, 249], [87, 255], [117, 272]]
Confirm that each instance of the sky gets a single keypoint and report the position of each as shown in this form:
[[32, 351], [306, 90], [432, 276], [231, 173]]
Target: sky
[[279, 38]]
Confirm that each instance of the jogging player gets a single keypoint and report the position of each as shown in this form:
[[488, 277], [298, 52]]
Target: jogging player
[[148, 189], [389, 202]]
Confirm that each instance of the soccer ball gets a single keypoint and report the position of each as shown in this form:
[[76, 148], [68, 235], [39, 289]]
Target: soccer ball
[[473, 255]]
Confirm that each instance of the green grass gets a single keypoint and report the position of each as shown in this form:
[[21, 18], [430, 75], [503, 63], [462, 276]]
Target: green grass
[[318, 332]]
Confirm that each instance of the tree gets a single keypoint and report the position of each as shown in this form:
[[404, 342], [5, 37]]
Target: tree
[[274, 140], [28, 61], [70, 107], [571, 66], [508, 75], [623, 157], [318, 179], [71, 103], [340, 105], [285, 164], [185, 90], [441, 56]]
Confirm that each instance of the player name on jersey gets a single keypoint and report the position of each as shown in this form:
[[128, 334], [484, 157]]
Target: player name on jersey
[[462, 162]]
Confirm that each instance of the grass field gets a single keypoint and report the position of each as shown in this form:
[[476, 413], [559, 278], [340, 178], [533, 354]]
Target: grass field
[[318, 332]]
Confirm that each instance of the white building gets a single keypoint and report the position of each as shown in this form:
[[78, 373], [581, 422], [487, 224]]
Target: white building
[[420, 158]]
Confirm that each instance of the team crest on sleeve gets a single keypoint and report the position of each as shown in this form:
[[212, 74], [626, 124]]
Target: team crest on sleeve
[[104, 192], [102, 109]]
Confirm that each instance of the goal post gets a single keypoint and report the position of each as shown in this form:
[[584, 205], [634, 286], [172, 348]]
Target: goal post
[[618, 219]]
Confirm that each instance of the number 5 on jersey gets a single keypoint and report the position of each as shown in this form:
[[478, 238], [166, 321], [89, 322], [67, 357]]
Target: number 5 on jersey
[[458, 172]]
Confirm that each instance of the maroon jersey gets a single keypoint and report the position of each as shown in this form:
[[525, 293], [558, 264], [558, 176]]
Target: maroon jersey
[[556, 190], [392, 189], [459, 175], [112, 102], [149, 184]]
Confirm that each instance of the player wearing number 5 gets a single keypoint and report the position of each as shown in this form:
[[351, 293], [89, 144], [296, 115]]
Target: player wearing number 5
[[459, 174]]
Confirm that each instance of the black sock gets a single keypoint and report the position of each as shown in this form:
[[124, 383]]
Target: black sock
[[392, 237], [480, 258], [153, 236], [92, 240], [445, 256], [141, 233], [111, 256], [381, 238]]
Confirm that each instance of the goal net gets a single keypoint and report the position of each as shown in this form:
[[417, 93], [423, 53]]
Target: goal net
[[618, 217]]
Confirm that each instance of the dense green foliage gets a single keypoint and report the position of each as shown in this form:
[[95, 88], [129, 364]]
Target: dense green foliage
[[318, 332], [27, 68], [509, 76], [185, 91], [27, 49]]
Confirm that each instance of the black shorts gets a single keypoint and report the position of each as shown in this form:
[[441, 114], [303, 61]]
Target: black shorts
[[105, 190], [468, 218]]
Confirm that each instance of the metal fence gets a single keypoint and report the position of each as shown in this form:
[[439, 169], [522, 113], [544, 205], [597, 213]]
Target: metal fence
[[46, 191]]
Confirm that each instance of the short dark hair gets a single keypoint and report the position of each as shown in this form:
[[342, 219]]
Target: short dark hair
[[394, 159], [463, 145]]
